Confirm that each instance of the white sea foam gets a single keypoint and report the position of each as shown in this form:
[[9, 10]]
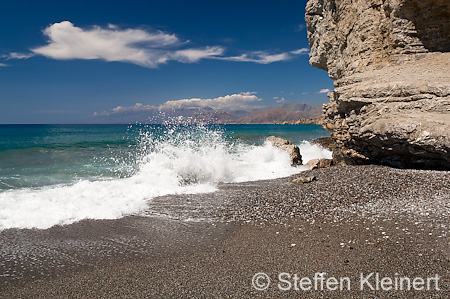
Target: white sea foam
[[180, 162], [311, 151]]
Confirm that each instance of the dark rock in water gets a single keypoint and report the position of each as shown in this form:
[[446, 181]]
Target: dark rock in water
[[287, 146], [391, 63], [302, 180]]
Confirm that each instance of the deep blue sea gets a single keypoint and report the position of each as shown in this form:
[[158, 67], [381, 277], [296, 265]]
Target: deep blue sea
[[59, 174]]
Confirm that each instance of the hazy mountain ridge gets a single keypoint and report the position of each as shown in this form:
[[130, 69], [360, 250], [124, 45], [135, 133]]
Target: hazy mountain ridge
[[286, 113]]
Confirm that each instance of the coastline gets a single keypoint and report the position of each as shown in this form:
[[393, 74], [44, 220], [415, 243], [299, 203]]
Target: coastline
[[301, 121], [352, 220]]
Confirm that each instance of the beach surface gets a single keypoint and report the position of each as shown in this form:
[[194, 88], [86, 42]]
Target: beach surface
[[350, 222]]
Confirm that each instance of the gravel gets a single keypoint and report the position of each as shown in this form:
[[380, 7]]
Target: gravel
[[351, 220], [337, 193]]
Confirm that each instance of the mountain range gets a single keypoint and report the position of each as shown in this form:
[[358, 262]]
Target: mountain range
[[285, 113]]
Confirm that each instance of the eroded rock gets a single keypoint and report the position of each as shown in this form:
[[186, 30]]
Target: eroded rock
[[287, 146], [319, 163], [325, 163], [391, 103], [312, 164]]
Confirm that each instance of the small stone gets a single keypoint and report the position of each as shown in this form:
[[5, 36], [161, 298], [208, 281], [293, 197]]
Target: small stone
[[302, 180]]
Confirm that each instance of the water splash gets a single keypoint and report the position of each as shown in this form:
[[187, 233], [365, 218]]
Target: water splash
[[169, 159]]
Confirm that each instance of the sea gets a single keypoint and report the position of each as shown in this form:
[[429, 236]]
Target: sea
[[60, 174]]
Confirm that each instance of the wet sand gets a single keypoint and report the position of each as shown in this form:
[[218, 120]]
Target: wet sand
[[352, 220]]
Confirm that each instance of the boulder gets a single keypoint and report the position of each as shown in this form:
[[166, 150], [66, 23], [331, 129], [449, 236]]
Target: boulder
[[325, 163], [319, 163], [313, 163], [287, 146]]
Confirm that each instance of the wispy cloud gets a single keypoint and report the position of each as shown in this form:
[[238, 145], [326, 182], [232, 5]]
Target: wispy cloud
[[325, 90], [136, 108], [15, 55], [238, 101], [142, 47], [300, 51], [263, 57], [282, 100], [194, 55], [3, 65]]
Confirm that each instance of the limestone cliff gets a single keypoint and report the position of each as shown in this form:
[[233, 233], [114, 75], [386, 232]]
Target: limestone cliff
[[390, 60]]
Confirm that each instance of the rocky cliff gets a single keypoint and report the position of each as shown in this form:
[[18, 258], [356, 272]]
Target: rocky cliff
[[390, 62]]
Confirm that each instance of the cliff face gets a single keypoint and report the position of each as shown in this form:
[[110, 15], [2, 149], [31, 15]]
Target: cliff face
[[390, 60]]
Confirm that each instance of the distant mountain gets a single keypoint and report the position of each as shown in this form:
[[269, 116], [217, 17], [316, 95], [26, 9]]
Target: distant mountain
[[286, 113]]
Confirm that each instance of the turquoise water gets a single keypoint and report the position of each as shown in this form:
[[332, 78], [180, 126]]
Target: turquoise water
[[59, 174], [39, 155]]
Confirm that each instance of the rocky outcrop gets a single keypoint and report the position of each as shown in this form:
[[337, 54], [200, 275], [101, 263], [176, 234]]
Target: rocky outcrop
[[325, 142], [391, 103], [286, 145], [309, 121]]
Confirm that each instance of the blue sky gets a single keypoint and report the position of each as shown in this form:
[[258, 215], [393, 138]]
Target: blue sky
[[64, 61]]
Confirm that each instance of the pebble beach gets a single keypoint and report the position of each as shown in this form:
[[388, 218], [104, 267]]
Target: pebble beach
[[350, 221]]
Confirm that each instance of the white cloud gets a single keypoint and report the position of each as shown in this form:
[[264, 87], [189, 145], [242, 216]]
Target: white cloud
[[228, 102], [137, 107], [3, 65], [300, 51], [15, 55], [137, 46], [194, 55], [112, 44], [239, 101], [282, 100], [325, 90], [259, 57], [265, 58]]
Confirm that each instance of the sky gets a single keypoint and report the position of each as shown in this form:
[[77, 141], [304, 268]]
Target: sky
[[71, 61]]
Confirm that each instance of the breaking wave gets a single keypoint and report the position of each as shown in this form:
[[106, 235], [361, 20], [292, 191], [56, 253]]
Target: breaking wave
[[167, 160]]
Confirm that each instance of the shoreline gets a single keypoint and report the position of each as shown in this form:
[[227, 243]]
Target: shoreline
[[352, 220]]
